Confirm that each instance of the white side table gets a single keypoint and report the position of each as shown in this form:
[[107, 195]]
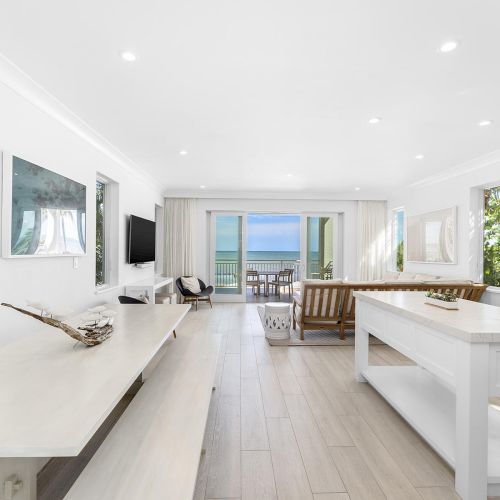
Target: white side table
[[276, 320]]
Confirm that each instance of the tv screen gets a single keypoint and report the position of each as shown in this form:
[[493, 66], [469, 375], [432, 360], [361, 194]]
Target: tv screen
[[141, 240]]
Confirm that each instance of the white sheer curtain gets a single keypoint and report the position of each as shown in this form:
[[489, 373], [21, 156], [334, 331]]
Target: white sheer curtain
[[180, 237], [371, 240]]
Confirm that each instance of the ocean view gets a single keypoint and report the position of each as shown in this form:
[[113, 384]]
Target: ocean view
[[252, 256]]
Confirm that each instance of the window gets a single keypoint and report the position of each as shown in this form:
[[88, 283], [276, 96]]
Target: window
[[491, 237], [398, 243], [106, 232], [100, 234]]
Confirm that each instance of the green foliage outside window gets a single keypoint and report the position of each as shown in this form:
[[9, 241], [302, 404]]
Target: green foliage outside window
[[400, 256], [398, 238], [99, 234], [491, 241]]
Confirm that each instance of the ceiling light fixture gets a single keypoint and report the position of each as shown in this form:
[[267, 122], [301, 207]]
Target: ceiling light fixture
[[357, 188], [419, 157], [485, 123], [183, 152], [374, 120], [448, 46], [203, 186], [129, 56]]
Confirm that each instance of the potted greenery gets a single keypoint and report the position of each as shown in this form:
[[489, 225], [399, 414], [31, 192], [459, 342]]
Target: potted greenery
[[446, 300]]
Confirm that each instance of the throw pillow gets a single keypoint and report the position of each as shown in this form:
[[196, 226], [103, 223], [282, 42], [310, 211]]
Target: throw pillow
[[191, 283]]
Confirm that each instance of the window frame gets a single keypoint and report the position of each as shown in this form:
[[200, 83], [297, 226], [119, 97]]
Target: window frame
[[394, 251], [110, 237], [104, 236], [482, 210]]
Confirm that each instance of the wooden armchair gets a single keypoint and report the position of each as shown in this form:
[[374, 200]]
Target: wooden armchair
[[284, 280], [254, 281]]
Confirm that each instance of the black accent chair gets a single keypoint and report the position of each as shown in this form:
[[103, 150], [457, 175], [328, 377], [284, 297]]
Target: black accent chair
[[124, 299], [202, 296]]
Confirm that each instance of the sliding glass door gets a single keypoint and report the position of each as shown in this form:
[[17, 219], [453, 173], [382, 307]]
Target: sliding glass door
[[228, 256], [321, 248]]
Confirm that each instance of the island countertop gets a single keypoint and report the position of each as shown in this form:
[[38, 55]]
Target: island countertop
[[472, 322]]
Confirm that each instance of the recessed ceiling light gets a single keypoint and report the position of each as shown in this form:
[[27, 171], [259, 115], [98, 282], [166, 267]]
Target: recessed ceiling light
[[183, 152], [202, 186], [485, 123], [357, 188], [129, 56], [419, 157], [374, 120], [448, 46], [289, 175]]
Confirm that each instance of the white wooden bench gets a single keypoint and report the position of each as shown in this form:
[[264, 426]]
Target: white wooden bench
[[153, 452]]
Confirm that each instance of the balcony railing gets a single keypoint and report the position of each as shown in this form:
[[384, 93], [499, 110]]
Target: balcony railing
[[227, 273]]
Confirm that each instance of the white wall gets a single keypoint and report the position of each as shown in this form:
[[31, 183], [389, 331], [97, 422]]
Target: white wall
[[348, 208], [459, 187], [37, 136]]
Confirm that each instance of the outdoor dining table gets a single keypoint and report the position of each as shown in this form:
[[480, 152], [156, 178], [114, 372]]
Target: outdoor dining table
[[267, 274]]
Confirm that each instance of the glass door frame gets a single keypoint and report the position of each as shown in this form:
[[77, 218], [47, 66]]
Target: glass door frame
[[338, 237], [228, 297]]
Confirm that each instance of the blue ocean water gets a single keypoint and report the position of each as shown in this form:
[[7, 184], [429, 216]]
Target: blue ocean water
[[252, 256]]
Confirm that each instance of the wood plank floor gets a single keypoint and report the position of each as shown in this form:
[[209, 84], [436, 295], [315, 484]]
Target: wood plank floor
[[292, 423]]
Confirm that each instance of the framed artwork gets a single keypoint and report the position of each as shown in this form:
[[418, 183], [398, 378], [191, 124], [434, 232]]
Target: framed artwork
[[43, 213]]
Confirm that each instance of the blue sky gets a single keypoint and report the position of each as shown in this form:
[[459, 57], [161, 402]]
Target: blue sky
[[272, 233], [400, 215]]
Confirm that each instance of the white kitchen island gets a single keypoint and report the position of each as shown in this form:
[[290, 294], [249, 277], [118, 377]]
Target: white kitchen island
[[445, 395]]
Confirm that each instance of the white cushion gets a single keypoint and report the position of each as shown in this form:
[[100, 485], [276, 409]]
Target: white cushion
[[404, 282], [321, 282], [363, 283], [425, 277], [406, 276], [450, 281], [192, 284], [390, 275]]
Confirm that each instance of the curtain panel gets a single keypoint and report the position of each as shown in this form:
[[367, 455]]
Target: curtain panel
[[371, 239], [180, 237]]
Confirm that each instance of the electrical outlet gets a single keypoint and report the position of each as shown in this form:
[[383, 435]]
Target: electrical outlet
[[11, 486], [75, 262]]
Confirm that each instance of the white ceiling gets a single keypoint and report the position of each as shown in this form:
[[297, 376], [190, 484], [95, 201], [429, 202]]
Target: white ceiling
[[271, 95]]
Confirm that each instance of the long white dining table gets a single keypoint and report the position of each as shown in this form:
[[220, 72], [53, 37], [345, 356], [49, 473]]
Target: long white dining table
[[445, 395], [55, 392]]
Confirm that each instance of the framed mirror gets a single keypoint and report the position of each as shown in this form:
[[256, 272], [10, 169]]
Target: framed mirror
[[431, 237]]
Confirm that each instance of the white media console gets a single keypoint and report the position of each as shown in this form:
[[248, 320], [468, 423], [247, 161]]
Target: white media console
[[444, 397], [149, 287]]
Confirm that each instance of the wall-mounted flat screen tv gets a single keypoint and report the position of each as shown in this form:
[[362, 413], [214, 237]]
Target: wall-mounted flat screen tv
[[44, 213], [142, 240]]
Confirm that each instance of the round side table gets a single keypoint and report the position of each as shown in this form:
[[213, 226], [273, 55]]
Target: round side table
[[276, 320]]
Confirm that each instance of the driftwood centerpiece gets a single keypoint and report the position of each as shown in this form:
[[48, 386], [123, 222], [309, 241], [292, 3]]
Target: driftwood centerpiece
[[92, 336]]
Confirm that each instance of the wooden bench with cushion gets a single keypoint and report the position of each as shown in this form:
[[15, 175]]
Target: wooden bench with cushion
[[330, 304], [154, 450]]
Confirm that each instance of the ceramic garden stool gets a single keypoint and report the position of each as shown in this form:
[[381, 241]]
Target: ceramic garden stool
[[276, 320]]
